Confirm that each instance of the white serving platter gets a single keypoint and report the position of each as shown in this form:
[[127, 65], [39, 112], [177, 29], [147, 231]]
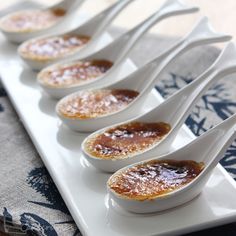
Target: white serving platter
[[82, 187]]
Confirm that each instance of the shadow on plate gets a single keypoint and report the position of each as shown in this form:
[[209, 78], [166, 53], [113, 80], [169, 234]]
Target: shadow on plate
[[28, 78], [70, 139], [123, 221], [95, 179], [47, 105], [8, 48]]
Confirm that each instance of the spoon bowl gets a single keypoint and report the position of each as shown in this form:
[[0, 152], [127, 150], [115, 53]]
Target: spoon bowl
[[201, 34], [208, 149], [92, 30], [19, 6], [173, 112], [63, 12], [116, 53]]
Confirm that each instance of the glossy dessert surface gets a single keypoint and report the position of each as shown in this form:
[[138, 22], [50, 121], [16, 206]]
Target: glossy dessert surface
[[53, 47], [74, 74], [126, 140], [95, 103], [154, 178], [31, 20]]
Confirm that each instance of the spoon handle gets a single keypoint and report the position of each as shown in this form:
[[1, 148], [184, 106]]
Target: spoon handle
[[212, 145], [180, 104], [98, 24], [168, 9], [188, 96], [144, 72], [228, 134], [119, 49], [201, 34]]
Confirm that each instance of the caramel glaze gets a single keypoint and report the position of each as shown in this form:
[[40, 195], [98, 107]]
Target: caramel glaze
[[154, 178], [74, 74], [126, 140], [59, 12], [53, 47], [96, 103], [31, 20]]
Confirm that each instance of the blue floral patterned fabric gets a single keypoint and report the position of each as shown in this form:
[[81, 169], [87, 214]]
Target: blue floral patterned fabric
[[29, 200]]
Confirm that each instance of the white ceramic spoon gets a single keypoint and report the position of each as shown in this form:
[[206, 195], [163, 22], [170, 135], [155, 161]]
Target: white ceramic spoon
[[93, 28], [117, 51], [172, 111], [208, 148], [70, 6], [19, 6], [144, 79]]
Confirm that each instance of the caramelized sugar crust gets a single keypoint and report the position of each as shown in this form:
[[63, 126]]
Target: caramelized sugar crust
[[96, 103], [126, 139], [31, 20], [77, 73], [155, 178], [53, 47]]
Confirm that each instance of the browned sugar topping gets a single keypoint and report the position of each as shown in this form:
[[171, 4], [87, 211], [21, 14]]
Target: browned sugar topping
[[154, 178], [75, 74], [92, 104], [127, 139], [54, 47], [31, 20]]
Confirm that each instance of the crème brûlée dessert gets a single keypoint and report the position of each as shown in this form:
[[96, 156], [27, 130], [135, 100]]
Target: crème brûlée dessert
[[95, 103], [126, 140], [154, 179], [51, 48], [73, 74], [26, 21]]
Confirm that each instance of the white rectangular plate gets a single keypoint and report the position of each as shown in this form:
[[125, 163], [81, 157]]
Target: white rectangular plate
[[82, 187]]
